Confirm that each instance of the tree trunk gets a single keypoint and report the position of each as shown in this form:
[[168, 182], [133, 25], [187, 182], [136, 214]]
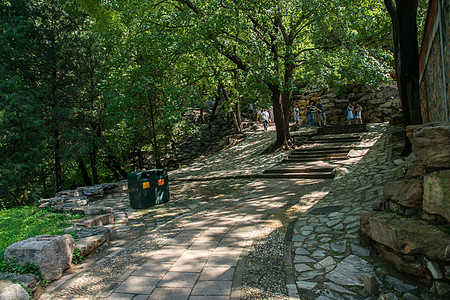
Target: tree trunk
[[116, 174], [239, 114], [84, 172], [57, 149], [236, 125], [406, 58], [409, 57], [156, 152], [202, 116], [214, 109], [280, 122], [287, 93], [94, 167]]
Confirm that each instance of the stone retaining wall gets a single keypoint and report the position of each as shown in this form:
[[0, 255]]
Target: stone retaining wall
[[412, 232], [379, 104]]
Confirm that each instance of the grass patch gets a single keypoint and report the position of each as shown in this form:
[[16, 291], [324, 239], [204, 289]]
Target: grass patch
[[20, 223]]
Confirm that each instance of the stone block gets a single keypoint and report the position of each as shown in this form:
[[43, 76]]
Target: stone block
[[435, 270], [436, 196], [431, 144], [407, 193], [99, 220], [406, 236], [370, 284], [404, 264], [89, 239], [52, 254], [12, 291]]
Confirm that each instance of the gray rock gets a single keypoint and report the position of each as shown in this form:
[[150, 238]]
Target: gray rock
[[328, 263], [399, 285], [350, 271], [388, 296], [12, 291], [431, 144], [53, 254], [89, 239], [434, 269], [99, 220], [410, 296], [370, 284], [309, 275], [339, 247], [89, 210], [306, 285], [436, 193], [302, 268], [318, 253], [28, 281], [339, 172], [359, 251], [442, 288], [301, 251], [302, 259], [338, 288]]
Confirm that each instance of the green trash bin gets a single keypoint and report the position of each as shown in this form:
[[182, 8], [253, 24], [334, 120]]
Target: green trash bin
[[148, 188]]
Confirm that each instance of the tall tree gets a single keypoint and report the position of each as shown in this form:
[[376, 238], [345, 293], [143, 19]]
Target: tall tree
[[406, 54]]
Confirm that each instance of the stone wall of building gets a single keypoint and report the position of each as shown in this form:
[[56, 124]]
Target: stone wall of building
[[379, 104], [434, 100]]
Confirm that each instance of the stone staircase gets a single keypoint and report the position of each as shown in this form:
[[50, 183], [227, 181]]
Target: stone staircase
[[327, 147]]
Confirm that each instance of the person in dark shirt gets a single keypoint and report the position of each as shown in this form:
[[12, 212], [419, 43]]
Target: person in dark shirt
[[310, 109], [321, 113]]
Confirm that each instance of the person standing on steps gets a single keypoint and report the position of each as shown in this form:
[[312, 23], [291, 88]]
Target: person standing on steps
[[271, 114], [350, 116], [321, 113], [265, 117], [358, 111], [250, 111], [310, 113], [297, 115], [258, 114]]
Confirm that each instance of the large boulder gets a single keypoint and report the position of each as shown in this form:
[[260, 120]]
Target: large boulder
[[431, 144], [407, 193], [12, 291], [52, 254], [406, 236], [436, 196]]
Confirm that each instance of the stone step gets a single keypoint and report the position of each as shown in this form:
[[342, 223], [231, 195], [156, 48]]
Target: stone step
[[321, 149], [293, 160], [334, 140], [341, 129], [308, 155], [298, 175], [299, 170]]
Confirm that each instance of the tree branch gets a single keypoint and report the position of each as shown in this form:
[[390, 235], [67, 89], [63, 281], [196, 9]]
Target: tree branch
[[191, 6]]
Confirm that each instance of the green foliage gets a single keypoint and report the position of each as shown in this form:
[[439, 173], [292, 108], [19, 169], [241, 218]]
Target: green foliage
[[9, 266], [77, 258], [27, 221]]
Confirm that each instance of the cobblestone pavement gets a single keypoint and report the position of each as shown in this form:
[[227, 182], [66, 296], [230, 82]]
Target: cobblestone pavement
[[247, 238]]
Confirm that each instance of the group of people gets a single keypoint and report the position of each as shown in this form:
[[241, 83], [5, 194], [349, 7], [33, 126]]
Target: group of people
[[263, 115], [311, 109], [354, 112]]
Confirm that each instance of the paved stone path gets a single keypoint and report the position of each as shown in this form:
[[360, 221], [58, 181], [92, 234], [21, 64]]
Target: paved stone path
[[247, 238]]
